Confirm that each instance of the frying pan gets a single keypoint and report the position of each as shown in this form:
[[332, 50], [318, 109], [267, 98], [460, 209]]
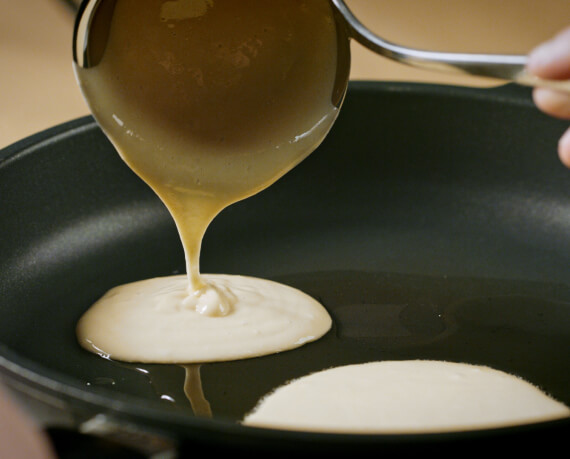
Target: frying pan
[[433, 223]]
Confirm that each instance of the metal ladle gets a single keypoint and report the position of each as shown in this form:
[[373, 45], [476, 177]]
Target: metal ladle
[[94, 17]]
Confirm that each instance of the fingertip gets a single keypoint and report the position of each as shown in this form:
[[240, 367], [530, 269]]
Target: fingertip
[[539, 96], [538, 60], [564, 148], [551, 102], [551, 59]]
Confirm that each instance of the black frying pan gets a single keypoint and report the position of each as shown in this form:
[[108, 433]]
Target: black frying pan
[[433, 223]]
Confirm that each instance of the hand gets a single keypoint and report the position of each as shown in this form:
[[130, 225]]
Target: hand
[[19, 436], [552, 60]]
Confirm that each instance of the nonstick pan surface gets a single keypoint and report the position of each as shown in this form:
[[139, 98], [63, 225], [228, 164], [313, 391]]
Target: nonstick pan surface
[[433, 223]]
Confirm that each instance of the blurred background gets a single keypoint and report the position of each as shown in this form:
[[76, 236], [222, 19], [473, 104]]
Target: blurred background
[[38, 88]]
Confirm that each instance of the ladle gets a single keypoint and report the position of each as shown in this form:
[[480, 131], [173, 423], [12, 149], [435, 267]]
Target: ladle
[[87, 52]]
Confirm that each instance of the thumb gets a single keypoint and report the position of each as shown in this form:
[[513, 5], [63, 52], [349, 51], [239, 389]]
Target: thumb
[[551, 59]]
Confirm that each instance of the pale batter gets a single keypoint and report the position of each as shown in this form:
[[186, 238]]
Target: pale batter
[[417, 396], [210, 102], [149, 321]]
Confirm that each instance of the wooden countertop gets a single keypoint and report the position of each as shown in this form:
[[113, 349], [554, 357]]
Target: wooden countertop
[[38, 88]]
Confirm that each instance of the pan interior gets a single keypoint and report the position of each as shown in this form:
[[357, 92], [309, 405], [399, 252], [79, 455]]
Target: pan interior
[[432, 223]]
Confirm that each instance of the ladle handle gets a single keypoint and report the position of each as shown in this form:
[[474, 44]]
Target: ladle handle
[[504, 66]]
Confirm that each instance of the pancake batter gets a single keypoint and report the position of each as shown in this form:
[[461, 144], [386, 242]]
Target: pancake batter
[[416, 396]]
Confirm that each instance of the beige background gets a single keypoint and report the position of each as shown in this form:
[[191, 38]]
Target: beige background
[[38, 89]]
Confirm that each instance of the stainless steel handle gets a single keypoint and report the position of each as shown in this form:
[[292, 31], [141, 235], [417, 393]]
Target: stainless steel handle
[[510, 67]]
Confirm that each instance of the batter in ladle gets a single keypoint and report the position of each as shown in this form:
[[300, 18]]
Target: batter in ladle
[[210, 102]]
